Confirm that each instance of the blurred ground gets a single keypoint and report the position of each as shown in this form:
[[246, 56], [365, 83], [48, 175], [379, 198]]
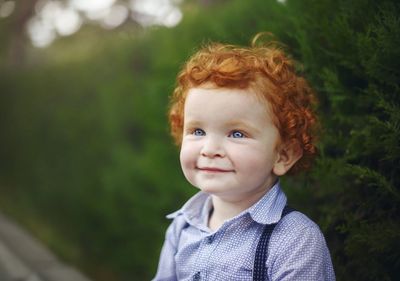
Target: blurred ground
[[24, 258]]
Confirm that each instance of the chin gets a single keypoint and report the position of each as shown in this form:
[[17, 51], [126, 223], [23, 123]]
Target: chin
[[217, 191], [210, 189]]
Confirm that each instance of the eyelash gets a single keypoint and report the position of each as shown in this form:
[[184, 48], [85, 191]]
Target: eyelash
[[234, 134], [198, 132]]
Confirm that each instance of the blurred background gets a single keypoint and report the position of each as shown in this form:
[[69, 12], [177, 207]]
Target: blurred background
[[86, 161]]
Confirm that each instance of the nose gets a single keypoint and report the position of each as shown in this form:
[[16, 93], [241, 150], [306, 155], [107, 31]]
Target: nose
[[212, 147]]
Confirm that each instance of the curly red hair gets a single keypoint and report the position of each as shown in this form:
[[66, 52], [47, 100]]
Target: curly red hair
[[269, 73]]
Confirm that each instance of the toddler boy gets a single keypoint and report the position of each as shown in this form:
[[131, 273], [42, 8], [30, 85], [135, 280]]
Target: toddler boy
[[242, 118]]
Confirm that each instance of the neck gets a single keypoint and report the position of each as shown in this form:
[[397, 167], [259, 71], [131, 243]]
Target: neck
[[227, 208]]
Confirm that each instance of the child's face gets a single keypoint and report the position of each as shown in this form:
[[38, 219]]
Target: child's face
[[229, 144]]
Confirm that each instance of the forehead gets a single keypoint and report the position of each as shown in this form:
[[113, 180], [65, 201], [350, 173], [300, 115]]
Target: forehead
[[224, 103]]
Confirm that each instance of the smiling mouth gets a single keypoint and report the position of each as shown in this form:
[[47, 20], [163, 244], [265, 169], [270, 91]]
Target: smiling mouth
[[213, 170]]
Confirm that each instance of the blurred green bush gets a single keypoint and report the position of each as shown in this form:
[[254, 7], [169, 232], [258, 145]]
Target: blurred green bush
[[86, 161]]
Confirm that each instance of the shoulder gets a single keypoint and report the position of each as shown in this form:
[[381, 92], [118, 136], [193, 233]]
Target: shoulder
[[296, 231], [298, 250], [296, 220]]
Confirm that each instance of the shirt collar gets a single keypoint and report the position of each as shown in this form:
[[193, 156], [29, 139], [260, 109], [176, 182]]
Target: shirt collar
[[267, 210], [196, 210]]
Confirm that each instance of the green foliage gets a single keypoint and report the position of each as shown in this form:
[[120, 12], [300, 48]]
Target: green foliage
[[86, 161], [356, 46]]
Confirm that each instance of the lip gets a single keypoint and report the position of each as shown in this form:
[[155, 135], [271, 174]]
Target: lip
[[213, 170]]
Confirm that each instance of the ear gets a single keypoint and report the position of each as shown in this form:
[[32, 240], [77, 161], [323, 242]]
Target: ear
[[288, 155]]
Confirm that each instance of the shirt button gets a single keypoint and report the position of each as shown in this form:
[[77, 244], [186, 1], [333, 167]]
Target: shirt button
[[210, 239], [197, 276]]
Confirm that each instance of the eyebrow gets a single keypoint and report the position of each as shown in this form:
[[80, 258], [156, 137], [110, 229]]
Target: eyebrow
[[191, 123], [240, 123]]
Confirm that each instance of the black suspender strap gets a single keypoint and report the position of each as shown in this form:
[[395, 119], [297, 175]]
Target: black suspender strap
[[259, 268]]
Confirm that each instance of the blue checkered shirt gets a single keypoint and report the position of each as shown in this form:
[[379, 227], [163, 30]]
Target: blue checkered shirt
[[191, 251]]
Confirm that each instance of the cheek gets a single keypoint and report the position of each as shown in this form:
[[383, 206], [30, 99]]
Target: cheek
[[252, 160], [188, 156]]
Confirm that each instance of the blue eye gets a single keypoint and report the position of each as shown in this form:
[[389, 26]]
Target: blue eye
[[237, 134], [199, 132]]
